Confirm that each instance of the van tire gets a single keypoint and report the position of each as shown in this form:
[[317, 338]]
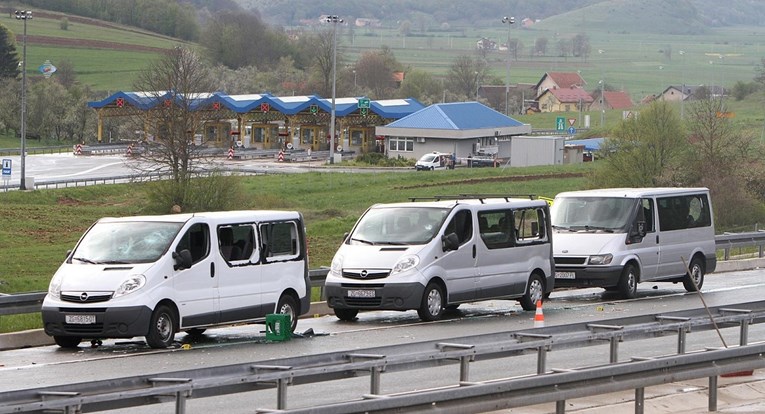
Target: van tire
[[628, 281], [67, 341], [432, 306], [697, 273], [288, 305], [535, 290], [346, 314], [162, 327]]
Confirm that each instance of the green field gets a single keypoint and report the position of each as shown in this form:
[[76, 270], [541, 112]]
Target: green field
[[633, 57]]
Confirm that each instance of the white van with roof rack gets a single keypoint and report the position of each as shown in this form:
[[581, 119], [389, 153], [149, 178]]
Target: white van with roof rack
[[434, 254], [153, 276], [616, 238]]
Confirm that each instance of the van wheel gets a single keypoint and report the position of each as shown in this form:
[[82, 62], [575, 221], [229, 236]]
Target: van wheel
[[432, 305], [627, 286], [535, 291], [696, 275], [346, 314], [161, 327], [288, 306], [67, 341]]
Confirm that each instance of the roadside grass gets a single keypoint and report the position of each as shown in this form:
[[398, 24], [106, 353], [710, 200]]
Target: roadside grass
[[39, 227]]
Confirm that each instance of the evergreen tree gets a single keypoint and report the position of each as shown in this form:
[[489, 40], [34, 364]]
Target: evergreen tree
[[9, 59]]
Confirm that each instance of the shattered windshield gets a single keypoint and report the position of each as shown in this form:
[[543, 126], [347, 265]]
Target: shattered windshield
[[126, 242], [399, 225], [592, 213]]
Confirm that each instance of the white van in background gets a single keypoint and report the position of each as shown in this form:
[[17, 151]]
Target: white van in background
[[154, 276], [436, 254], [616, 238], [435, 161]]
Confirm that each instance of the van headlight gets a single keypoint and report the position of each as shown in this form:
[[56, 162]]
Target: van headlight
[[336, 269], [601, 259], [405, 263], [130, 285], [54, 288]]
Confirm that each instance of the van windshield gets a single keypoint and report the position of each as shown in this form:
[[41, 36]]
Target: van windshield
[[399, 225], [428, 158], [126, 242], [610, 214]]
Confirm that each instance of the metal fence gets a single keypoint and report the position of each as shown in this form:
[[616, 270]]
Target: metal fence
[[463, 395]]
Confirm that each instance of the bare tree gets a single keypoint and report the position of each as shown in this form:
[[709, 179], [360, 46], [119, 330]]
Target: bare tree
[[466, 75], [375, 72], [540, 46], [177, 82], [581, 46]]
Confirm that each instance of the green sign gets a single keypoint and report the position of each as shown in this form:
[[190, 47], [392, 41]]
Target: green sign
[[314, 109], [364, 111], [364, 103], [560, 123]]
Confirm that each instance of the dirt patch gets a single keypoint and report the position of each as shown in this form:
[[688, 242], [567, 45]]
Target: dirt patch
[[67, 201], [497, 179]]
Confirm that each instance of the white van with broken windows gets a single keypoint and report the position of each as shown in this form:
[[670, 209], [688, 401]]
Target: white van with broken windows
[[617, 238], [154, 276], [434, 254]]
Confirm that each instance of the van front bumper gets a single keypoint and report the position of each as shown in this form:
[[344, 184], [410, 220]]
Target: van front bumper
[[392, 296], [123, 322], [601, 276]]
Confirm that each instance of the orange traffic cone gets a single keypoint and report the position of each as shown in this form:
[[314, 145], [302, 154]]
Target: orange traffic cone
[[539, 317]]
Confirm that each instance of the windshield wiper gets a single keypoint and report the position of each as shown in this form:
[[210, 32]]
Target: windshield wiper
[[592, 228], [82, 259], [561, 227], [362, 241]]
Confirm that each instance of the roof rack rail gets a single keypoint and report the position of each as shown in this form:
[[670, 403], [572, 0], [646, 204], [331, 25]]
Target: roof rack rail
[[480, 197]]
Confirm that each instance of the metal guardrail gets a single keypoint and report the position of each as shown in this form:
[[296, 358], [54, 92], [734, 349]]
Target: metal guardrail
[[523, 389], [58, 149]]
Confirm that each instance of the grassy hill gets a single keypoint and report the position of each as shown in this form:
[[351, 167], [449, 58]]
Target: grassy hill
[[104, 55]]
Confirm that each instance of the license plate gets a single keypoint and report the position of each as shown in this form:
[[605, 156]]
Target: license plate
[[565, 275], [361, 293], [80, 319]]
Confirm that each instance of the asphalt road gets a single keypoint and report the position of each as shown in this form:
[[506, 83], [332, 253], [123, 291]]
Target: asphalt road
[[49, 365]]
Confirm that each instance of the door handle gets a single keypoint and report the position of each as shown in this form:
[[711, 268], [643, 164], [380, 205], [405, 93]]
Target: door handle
[[212, 269], [657, 239], [474, 251]]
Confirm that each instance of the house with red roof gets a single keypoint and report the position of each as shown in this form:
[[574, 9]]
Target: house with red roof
[[568, 99], [559, 80], [612, 100]]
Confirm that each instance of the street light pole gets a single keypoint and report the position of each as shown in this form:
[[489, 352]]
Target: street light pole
[[509, 20], [23, 15], [334, 20]]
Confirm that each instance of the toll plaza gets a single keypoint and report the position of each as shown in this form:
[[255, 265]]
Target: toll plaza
[[264, 121]]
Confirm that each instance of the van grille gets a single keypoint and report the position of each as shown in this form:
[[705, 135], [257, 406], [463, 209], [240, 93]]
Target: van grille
[[580, 261], [94, 328], [363, 302], [90, 297], [366, 274]]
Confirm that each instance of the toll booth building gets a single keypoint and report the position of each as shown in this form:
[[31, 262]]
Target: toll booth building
[[466, 129], [264, 121]]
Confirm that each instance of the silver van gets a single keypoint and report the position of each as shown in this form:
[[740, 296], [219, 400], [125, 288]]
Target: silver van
[[434, 254], [616, 238]]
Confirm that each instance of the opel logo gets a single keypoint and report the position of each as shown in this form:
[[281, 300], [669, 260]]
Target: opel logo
[[364, 274], [83, 296]]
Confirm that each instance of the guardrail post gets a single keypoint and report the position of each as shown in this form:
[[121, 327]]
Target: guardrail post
[[560, 407], [180, 396], [639, 400], [464, 359], [375, 371], [744, 324], [713, 393], [281, 383]]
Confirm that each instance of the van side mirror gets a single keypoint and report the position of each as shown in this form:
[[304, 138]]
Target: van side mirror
[[345, 237], [450, 242], [182, 259]]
